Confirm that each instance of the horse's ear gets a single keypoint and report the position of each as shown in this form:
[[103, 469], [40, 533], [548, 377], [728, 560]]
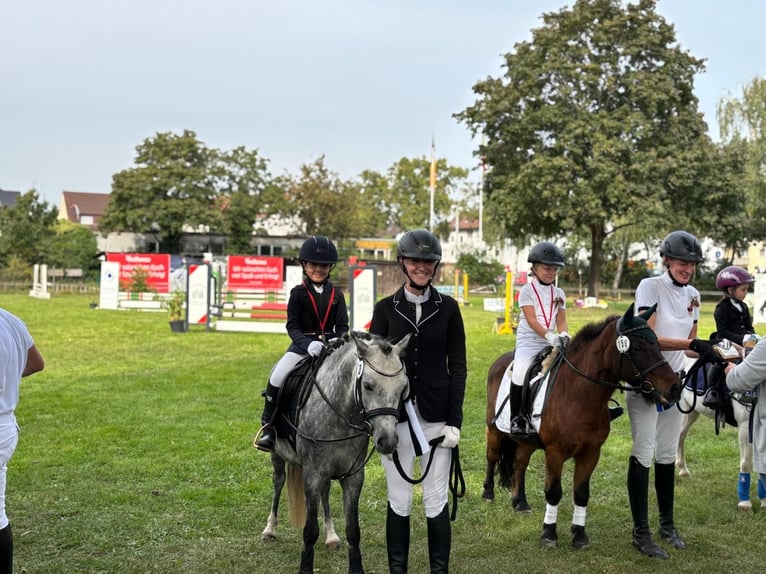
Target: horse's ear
[[649, 312], [627, 318], [401, 346], [360, 340]]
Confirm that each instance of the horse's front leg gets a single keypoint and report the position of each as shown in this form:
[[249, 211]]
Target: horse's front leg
[[312, 492], [520, 463], [332, 540], [278, 482], [493, 438], [584, 467], [352, 488], [742, 415], [686, 423], [553, 465]]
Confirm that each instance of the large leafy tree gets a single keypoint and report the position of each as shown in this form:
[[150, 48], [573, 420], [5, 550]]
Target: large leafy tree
[[178, 184], [742, 124], [247, 190], [27, 230], [409, 206], [594, 126], [319, 202]]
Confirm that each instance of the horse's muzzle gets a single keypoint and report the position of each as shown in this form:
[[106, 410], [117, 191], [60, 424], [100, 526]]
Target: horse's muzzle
[[386, 444]]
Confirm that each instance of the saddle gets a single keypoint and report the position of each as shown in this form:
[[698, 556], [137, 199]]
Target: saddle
[[296, 390], [544, 366]]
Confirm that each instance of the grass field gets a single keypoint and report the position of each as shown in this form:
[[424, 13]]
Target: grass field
[[135, 456]]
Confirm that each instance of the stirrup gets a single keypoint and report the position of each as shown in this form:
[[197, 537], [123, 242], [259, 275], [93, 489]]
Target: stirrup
[[712, 399], [267, 440], [521, 427]]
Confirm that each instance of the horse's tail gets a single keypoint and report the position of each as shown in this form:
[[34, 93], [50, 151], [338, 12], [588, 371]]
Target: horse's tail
[[506, 454], [296, 500]]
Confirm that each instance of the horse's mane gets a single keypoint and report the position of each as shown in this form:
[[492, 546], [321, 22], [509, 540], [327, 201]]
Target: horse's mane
[[589, 333]]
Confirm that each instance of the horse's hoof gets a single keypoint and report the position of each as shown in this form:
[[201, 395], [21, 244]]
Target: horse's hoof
[[522, 508], [265, 536], [332, 544], [550, 538], [745, 506], [580, 540], [683, 473], [488, 495]]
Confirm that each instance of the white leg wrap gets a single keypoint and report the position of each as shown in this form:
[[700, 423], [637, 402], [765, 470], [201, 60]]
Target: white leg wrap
[[551, 514], [578, 515]]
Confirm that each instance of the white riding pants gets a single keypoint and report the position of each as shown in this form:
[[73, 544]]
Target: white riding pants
[[9, 438], [655, 433], [436, 483], [283, 367]]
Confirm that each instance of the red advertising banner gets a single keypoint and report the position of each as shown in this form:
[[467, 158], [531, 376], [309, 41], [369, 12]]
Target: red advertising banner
[[246, 273], [156, 266]]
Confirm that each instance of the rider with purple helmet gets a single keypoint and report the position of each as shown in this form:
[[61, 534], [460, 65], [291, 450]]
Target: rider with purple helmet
[[732, 315], [732, 321]]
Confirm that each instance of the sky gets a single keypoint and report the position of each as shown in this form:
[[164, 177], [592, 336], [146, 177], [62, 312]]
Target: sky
[[362, 82]]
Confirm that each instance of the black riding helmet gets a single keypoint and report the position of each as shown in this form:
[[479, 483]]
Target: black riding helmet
[[319, 249], [419, 244], [546, 253], [681, 245]]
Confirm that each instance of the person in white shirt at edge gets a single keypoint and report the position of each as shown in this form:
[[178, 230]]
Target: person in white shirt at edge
[[19, 358], [543, 313], [655, 429]]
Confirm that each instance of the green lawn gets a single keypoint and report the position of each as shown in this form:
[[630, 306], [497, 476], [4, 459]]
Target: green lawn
[[135, 456]]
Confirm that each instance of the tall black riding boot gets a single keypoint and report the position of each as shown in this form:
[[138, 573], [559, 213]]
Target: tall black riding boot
[[268, 439], [6, 550], [397, 541], [664, 485], [439, 541], [520, 425], [638, 494]]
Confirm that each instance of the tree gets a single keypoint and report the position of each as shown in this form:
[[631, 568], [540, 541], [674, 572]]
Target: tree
[[595, 120], [742, 124], [409, 184], [27, 229], [247, 190], [319, 202], [180, 185], [73, 246]]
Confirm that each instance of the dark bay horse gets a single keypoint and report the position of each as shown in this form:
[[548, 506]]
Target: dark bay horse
[[575, 420], [355, 395]]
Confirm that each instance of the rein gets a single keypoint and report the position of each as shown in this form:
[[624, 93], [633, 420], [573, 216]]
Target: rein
[[363, 429], [456, 478], [625, 348]]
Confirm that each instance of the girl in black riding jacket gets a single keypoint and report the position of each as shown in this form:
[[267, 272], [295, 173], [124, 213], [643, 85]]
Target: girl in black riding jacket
[[316, 312], [436, 367]]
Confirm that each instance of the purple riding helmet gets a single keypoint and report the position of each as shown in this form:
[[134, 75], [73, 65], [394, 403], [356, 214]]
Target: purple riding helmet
[[732, 276]]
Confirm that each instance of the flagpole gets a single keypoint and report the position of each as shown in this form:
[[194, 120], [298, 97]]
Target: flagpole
[[432, 184], [481, 197]]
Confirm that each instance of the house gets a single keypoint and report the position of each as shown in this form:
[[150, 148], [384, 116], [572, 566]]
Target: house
[[8, 198], [83, 208]]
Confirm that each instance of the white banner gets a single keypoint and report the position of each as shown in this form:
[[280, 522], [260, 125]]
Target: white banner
[[109, 291]]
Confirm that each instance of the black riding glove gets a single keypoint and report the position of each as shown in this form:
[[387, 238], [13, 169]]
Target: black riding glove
[[705, 350]]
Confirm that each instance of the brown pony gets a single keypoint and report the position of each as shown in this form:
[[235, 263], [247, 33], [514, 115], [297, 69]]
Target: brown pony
[[575, 420]]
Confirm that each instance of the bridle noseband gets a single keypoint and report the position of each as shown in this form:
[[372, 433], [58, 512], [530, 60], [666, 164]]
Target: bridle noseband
[[361, 362]]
